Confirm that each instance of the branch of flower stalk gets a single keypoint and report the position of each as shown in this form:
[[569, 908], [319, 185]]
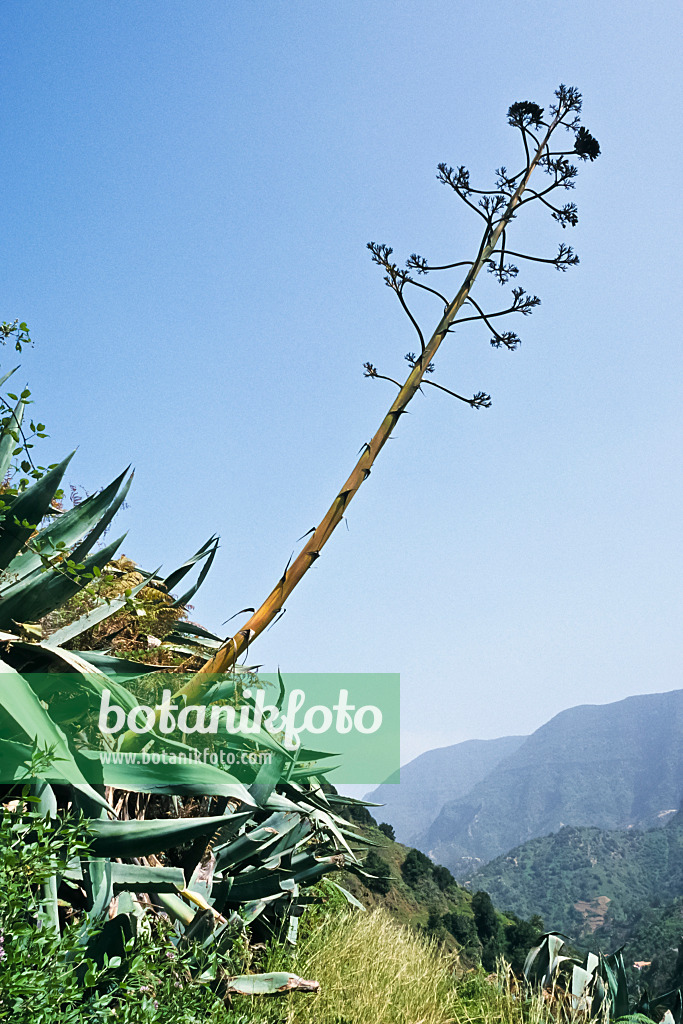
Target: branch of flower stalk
[[226, 658]]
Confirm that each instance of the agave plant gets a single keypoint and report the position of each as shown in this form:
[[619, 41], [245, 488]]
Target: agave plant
[[595, 984], [264, 837]]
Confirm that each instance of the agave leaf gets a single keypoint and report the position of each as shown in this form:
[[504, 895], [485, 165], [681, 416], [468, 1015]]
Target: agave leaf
[[335, 798], [269, 774], [138, 773], [176, 908], [581, 979], [73, 525], [246, 889], [7, 442], [86, 677], [591, 962], [192, 629], [96, 615], [31, 599], [193, 652], [271, 984], [187, 642], [120, 669], [209, 554], [309, 875], [139, 838], [72, 709], [47, 805], [22, 705], [174, 578], [537, 960], [350, 898], [299, 834], [261, 885], [248, 847], [109, 941], [28, 507], [219, 691], [610, 979], [99, 888], [143, 878], [14, 761], [250, 911], [279, 802], [8, 375], [620, 990], [81, 550]]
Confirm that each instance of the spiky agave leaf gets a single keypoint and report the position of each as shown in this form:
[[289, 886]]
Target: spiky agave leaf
[[32, 598], [8, 442], [26, 512], [96, 512]]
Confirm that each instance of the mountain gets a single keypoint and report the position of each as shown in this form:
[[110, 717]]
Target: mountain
[[434, 778], [603, 888], [588, 880], [611, 766]]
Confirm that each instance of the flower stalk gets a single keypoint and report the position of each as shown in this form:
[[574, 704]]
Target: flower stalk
[[497, 209]]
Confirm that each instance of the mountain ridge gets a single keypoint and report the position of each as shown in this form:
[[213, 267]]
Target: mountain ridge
[[433, 778], [616, 765]]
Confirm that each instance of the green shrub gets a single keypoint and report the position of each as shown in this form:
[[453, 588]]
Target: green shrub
[[44, 977], [376, 866], [415, 867], [388, 830], [443, 878]]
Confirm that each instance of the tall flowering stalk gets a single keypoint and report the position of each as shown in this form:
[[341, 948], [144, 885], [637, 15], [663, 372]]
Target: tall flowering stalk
[[497, 207]]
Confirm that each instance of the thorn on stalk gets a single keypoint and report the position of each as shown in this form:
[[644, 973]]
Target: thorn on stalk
[[284, 575], [282, 612], [307, 534], [240, 612]]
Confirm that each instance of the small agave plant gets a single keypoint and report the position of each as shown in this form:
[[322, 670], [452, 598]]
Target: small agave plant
[[594, 986], [262, 838]]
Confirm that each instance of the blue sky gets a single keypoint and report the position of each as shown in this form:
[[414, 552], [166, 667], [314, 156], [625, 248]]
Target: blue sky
[[188, 190]]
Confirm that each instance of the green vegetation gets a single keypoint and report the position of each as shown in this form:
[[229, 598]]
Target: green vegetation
[[596, 885], [595, 985], [139, 893], [425, 896], [45, 978], [210, 848], [373, 971]]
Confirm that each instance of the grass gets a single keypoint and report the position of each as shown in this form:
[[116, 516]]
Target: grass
[[373, 971]]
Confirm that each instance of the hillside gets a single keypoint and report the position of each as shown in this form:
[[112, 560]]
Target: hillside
[[604, 889], [416, 892], [433, 779], [611, 766], [585, 880]]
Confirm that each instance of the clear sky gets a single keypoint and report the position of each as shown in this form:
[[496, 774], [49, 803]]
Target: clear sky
[[187, 193]]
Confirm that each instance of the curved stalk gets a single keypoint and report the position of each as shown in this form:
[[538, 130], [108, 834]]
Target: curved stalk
[[225, 659]]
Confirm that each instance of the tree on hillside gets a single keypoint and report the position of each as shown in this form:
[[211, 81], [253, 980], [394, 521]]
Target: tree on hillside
[[489, 929], [415, 867], [388, 830]]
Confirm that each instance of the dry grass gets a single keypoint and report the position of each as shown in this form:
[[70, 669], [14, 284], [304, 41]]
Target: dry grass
[[374, 971]]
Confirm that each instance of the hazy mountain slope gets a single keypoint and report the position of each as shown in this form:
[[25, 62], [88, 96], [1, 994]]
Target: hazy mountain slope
[[584, 879], [612, 766], [434, 778]]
